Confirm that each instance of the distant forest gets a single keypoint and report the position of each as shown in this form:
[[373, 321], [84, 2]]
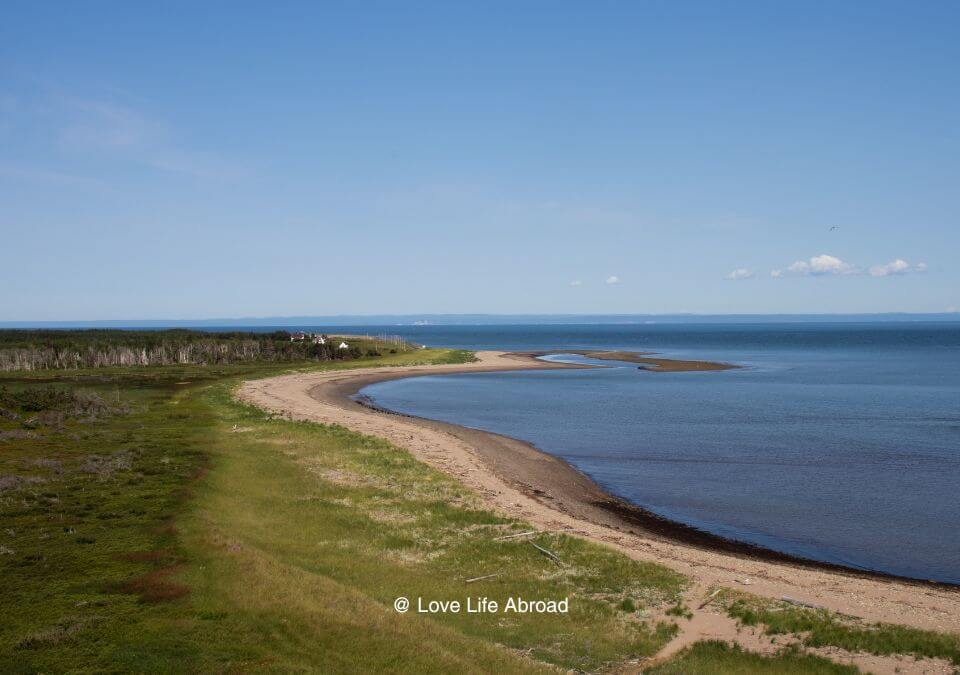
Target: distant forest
[[74, 349]]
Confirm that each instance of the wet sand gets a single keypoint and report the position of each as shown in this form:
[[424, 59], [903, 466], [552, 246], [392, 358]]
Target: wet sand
[[517, 479], [657, 365]]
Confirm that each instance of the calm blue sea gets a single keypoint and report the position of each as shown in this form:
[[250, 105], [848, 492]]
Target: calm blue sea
[[836, 442]]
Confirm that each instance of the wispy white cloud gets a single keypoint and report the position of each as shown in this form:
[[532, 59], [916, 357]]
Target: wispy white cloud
[[102, 127], [820, 265], [612, 279], [96, 124], [828, 265], [894, 267], [576, 282], [897, 266], [740, 274], [33, 175], [121, 131]]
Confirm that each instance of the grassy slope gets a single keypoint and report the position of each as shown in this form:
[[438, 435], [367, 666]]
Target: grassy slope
[[279, 545], [357, 523], [819, 628], [709, 658]]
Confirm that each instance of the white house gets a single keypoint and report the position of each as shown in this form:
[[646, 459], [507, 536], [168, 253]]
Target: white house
[[318, 340], [343, 345]]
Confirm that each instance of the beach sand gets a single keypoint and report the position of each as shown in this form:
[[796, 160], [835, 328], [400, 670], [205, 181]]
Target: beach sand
[[516, 479], [647, 362]]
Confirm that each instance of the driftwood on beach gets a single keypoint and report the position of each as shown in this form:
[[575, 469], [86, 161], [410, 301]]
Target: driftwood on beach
[[800, 603], [553, 556], [485, 576]]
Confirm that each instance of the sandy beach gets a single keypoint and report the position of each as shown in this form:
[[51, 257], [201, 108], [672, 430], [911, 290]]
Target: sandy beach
[[646, 360], [516, 479]]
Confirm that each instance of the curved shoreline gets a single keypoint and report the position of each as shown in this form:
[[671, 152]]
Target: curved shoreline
[[558, 484], [646, 361], [515, 478]]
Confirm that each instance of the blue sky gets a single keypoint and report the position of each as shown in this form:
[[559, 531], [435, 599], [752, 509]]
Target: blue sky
[[188, 160]]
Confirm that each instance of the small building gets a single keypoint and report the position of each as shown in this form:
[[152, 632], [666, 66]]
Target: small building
[[343, 345], [319, 340], [297, 337]]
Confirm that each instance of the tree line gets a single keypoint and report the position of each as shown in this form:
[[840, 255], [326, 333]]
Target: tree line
[[65, 349]]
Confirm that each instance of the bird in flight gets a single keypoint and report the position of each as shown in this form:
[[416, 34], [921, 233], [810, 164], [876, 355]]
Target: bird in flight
[[834, 227]]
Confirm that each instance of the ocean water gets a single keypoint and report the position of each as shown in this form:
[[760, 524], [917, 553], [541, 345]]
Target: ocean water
[[835, 442]]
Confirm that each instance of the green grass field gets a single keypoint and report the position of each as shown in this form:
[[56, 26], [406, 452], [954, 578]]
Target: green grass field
[[151, 523], [819, 628], [708, 658], [187, 531]]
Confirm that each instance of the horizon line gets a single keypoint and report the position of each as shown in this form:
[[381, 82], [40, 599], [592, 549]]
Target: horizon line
[[279, 320]]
